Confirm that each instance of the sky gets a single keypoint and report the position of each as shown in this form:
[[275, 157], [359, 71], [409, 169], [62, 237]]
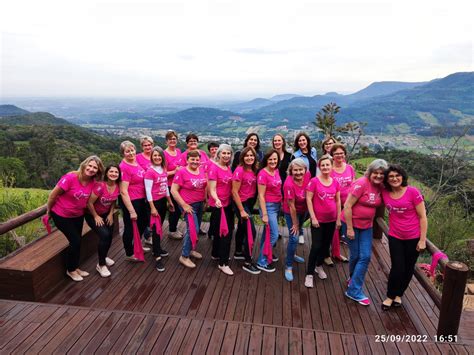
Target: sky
[[233, 49]]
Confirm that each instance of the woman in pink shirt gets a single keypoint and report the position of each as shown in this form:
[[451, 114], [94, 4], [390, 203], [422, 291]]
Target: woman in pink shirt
[[159, 200], [324, 206], [244, 189], [67, 203], [407, 231], [189, 190], [269, 199], [172, 155], [219, 183], [359, 212], [144, 158], [192, 141], [132, 193], [295, 209], [101, 206]]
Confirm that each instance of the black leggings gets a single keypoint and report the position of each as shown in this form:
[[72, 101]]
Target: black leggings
[[241, 235], [221, 244], [140, 207], [173, 217], [403, 255], [161, 207], [72, 230], [105, 234], [321, 238]]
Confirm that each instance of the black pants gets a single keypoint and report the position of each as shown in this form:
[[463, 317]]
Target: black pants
[[72, 230], [221, 244], [105, 234], [140, 207], [321, 238], [161, 207], [403, 255], [173, 217], [241, 235]]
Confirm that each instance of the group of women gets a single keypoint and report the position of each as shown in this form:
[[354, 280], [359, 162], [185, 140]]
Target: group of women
[[298, 186]]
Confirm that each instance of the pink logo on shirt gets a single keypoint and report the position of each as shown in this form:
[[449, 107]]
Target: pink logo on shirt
[[198, 183], [80, 195]]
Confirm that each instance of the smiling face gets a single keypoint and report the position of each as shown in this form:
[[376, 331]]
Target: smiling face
[[328, 145], [192, 144], [252, 142], [325, 166], [394, 179], [298, 172], [130, 153], [339, 155], [277, 142], [156, 158], [172, 141], [213, 151], [272, 161], [112, 174], [376, 177], [303, 143], [193, 162], [147, 146], [91, 169], [249, 158], [224, 157]]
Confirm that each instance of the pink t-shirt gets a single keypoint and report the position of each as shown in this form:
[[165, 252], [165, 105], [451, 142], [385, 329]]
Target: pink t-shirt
[[105, 199], [73, 202], [192, 187], [369, 198], [133, 174], [172, 163], [248, 183], [143, 161], [182, 161], [324, 199], [345, 180], [159, 189], [223, 179], [273, 185], [403, 220], [292, 191]]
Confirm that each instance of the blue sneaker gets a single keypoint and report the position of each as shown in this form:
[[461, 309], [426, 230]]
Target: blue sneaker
[[364, 301], [289, 274], [299, 259]]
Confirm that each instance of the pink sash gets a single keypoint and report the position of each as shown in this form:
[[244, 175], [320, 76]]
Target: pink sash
[[45, 220], [267, 246], [137, 243], [156, 221], [192, 230], [223, 227], [249, 236], [434, 261], [335, 247]]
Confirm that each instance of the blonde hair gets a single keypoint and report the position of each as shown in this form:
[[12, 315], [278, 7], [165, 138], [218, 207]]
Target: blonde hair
[[100, 167], [298, 162], [124, 145], [144, 139]]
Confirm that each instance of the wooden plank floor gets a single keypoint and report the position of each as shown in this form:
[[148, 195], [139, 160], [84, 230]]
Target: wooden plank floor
[[36, 328], [205, 293]]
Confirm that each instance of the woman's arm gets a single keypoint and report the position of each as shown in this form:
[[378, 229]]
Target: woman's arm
[[126, 199], [294, 217], [90, 205], [338, 209], [52, 198], [261, 202], [309, 203], [421, 211], [177, 197], [350, 202], [211, 184], [149, 196], [235, 194]]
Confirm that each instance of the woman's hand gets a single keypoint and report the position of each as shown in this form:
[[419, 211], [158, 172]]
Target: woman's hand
[[110, 219], [314, 223], [295, 229], [265, 218], [99, 221], [188, 209], [244, 214], [133, 215], [338, 224], [218, 203], [171, 207], [154, 211], [350, 233], [421, 245]]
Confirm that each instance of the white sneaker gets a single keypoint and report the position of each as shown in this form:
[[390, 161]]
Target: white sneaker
[[320, 271], [149, 241], [103, 271], [226, 270], [146, 249], [308, 281], [82, 272], [109, 262], [301, 239], [74, 275]]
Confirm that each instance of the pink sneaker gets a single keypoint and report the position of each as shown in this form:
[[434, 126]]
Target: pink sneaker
[[364, 301]]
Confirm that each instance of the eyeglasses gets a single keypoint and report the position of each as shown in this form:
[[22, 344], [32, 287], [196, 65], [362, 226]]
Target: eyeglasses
[[394, 177], [338, 154]]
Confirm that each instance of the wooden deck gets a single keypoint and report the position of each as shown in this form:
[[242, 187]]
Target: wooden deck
[[199, 310]]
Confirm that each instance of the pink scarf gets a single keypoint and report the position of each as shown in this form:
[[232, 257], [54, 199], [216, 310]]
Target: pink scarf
[[156, 221], [45, 220], [335, 247], [223, 227], [267, 246], [192, 230], [434, 261], [137, 243], [249, 236]]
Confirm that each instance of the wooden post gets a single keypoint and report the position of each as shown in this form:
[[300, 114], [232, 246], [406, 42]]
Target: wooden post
[[455, 277], [377, 230]]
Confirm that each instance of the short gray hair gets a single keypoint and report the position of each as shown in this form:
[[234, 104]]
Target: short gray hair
[[376, 165], [298, 162], [222, 147], [143, 139], [124, 145]]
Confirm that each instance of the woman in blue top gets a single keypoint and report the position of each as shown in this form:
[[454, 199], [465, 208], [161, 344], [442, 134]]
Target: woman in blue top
[[304, 151]]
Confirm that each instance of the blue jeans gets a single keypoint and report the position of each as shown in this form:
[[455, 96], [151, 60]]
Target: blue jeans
[[360, 252], [273, 209], [197, 215], [293, 238]]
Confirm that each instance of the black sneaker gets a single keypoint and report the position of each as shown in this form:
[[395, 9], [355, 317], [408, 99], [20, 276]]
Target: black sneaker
[[239, 256], [159, 266], [163, 252], [251, 268], [266, 268]]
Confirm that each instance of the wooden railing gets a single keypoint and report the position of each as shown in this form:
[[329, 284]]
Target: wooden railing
[[450, 301]]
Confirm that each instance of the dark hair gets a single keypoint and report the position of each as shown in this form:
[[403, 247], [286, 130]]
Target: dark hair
[[171, 134], [191, 136], [243, 153], [398, 169], [193, 154], [337, 146], [212, 145], [249, 136], [283, 138], [297, 138], [110, 166], [269, 153]]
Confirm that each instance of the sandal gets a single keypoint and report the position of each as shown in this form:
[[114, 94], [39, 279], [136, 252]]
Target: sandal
[[386, 306]]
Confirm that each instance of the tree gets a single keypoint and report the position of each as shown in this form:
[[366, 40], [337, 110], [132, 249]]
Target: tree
[[12, 172], [326, 119]]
